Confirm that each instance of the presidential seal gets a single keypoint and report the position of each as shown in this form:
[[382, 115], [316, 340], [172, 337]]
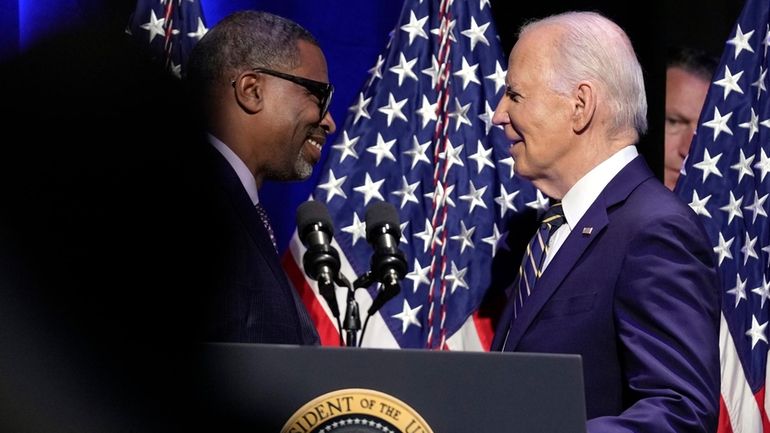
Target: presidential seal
[[356, 410]]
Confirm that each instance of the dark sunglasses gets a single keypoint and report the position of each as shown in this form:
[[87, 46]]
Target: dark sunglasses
[[322, 91]]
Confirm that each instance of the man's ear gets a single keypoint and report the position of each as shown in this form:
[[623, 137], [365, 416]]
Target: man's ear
[[249, 89], [584, 106]]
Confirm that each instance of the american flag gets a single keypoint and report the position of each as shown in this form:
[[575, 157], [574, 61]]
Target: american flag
[[170, 27], [419, 135], [725, 181]]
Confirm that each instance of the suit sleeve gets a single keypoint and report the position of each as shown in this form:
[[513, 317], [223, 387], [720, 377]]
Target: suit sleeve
[[666, 312]]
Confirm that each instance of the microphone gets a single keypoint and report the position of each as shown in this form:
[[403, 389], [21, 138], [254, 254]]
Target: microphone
[[388, 264], [321, 260]]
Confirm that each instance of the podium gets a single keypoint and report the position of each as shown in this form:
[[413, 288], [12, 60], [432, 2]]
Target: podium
[[275, 388]]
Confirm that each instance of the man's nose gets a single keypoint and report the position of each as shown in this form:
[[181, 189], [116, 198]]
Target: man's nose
[[501, 116]]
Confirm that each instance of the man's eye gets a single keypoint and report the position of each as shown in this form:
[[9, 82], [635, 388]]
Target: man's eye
[[511, 94]]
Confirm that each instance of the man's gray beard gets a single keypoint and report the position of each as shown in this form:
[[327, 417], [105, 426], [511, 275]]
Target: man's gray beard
[[302, 168]]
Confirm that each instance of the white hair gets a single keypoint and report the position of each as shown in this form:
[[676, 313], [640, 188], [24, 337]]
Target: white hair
[[591, 47]]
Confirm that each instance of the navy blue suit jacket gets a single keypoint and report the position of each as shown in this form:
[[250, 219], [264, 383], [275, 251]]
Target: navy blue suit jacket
[[634, 291], [244, 292]]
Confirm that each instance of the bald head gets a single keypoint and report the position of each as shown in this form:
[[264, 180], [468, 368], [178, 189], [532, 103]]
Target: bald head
[[588, 46]]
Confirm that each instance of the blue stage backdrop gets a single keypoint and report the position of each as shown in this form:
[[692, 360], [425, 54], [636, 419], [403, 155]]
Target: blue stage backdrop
[[351, 32]]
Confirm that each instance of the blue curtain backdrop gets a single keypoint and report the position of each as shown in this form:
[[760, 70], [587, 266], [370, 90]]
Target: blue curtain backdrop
[[351, 32]]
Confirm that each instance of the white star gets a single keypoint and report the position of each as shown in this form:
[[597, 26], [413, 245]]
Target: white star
[[404, 238], [404, 69], [486, 117], [540, 202], [733, 209], [482, 157], [464, 237], [357, 229], [682, 171], [460, 114], [476, 33], [752, 126], [452, 155], [509, 162], [434, 72], [407, 192], [748, 249], [427, 235], [483, 4], [494, 239], [382, 150], [200, 31], [361, 108], [347, 146], [370, 189], [376, 71], [442, 197], [498, 77], [723, 249], [415, 27], [741, 41], [457, 277], [155, 26], [468, 74], [446, 28], [333, 187], [475, 197], [505, 200], [699, 205], [419, 275], [739, 291], [766, 249], [758, 206], [757, 331], [709, 165], [427, 112], [730, 82], [176, 69], [408, 316], [763, 291], [417, 152], [763, 165], [766, 41], [719, 123], [393, 109], [743, 166], [760, 83]]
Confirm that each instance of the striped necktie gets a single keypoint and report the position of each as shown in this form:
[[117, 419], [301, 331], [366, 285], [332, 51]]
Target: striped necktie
[[532, 264], [266, 222]]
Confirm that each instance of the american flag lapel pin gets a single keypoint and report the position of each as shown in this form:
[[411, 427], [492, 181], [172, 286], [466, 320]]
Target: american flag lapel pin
[[587, 231]]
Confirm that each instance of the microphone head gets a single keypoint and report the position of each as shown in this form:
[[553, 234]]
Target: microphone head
[[313, 215], [382, 217]]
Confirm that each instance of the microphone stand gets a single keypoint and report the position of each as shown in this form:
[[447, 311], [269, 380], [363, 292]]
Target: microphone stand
[[352, 322], [351, 325]]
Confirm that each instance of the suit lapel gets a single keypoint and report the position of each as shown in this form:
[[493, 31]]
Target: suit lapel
[[594, 222], [246, 211]]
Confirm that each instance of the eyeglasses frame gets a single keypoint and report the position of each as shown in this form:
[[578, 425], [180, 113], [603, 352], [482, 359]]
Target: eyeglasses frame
[[322, 91]]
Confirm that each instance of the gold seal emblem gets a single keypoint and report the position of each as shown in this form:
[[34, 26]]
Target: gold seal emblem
[[356, 410]]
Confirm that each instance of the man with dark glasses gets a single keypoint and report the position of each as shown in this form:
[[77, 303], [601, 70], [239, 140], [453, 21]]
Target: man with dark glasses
[[261, 85]]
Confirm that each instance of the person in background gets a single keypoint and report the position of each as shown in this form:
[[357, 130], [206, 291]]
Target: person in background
[[621, 271], [688, 75], [261, 87]]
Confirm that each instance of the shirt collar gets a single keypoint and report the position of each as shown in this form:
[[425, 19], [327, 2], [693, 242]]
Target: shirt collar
[[585, 191], [246, 177]]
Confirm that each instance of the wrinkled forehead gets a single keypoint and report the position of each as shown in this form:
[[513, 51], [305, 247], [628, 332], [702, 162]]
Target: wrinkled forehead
[[530, 58]]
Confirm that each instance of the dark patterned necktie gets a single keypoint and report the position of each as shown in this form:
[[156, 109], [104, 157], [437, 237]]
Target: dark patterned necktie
[[266, 222], [532, 264]]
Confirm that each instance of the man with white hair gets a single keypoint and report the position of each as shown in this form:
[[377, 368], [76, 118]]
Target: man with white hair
[[621, 271]]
